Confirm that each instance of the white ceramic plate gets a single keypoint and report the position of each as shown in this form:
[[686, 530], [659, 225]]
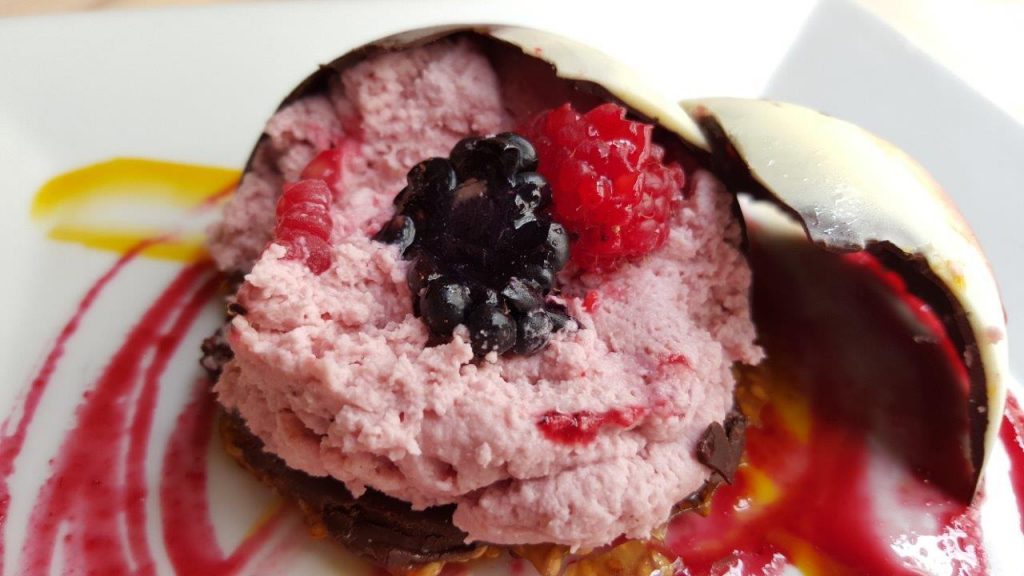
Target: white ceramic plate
[[196, 85]]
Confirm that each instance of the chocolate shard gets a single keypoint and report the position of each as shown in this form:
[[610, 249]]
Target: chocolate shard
[[721, 446], [233, 309], [721, 449], [699, 500], [384, 530], [216, 353]]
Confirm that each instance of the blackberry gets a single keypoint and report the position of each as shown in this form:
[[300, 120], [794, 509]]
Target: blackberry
[[423, 270], [538, 273], [443, 305], [490, 330], [522, 295], [558, 314], [428, 193], [533, 331], [433, 177], [515, 153], [556, 247], [400, 231], [485, 250], [531, 190], [484, 295], [463, 153]]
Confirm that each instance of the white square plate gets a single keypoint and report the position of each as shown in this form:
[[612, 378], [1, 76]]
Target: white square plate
[[196, 86]]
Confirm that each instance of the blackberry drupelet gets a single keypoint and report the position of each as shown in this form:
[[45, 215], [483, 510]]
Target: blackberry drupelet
[[485, 251]]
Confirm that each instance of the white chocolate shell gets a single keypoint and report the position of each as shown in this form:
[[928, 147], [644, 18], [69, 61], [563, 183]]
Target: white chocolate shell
[[854, 191]]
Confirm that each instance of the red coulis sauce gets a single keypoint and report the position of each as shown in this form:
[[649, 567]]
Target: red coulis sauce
[[98, 475], [851, 466], [92, 508], [183, 502], [856, 465], [1012, 434], [582, 427], [14, 440]]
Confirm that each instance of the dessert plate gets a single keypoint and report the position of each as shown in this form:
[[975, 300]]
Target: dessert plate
[[119, 134]]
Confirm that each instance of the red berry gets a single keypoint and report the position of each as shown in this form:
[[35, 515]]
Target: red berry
[[609, 184], [582, 427], [304, 195], [309, 223], [325, 166], [304, 223], [317, 255]]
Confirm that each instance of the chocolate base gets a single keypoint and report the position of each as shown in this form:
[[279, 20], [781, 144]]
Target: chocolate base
[[387, 531], [382, 529]]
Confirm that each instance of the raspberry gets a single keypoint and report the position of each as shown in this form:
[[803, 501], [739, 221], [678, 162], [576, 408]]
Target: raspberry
[[609, 184], [304, 223], [304, 212], [325, 166]]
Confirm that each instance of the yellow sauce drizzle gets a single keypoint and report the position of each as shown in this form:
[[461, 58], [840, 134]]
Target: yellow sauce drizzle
[[182, 248], [92, 206], [763, 490], [807, 559]]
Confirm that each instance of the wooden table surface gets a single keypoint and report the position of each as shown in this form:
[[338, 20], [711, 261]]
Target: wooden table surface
[[26, 7]]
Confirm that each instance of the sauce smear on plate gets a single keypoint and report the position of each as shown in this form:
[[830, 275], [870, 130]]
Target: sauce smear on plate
[[1012, 434], [848, 465], [854, 461]]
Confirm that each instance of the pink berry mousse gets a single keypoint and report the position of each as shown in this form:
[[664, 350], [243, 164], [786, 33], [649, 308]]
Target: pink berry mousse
[[590, 439]]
